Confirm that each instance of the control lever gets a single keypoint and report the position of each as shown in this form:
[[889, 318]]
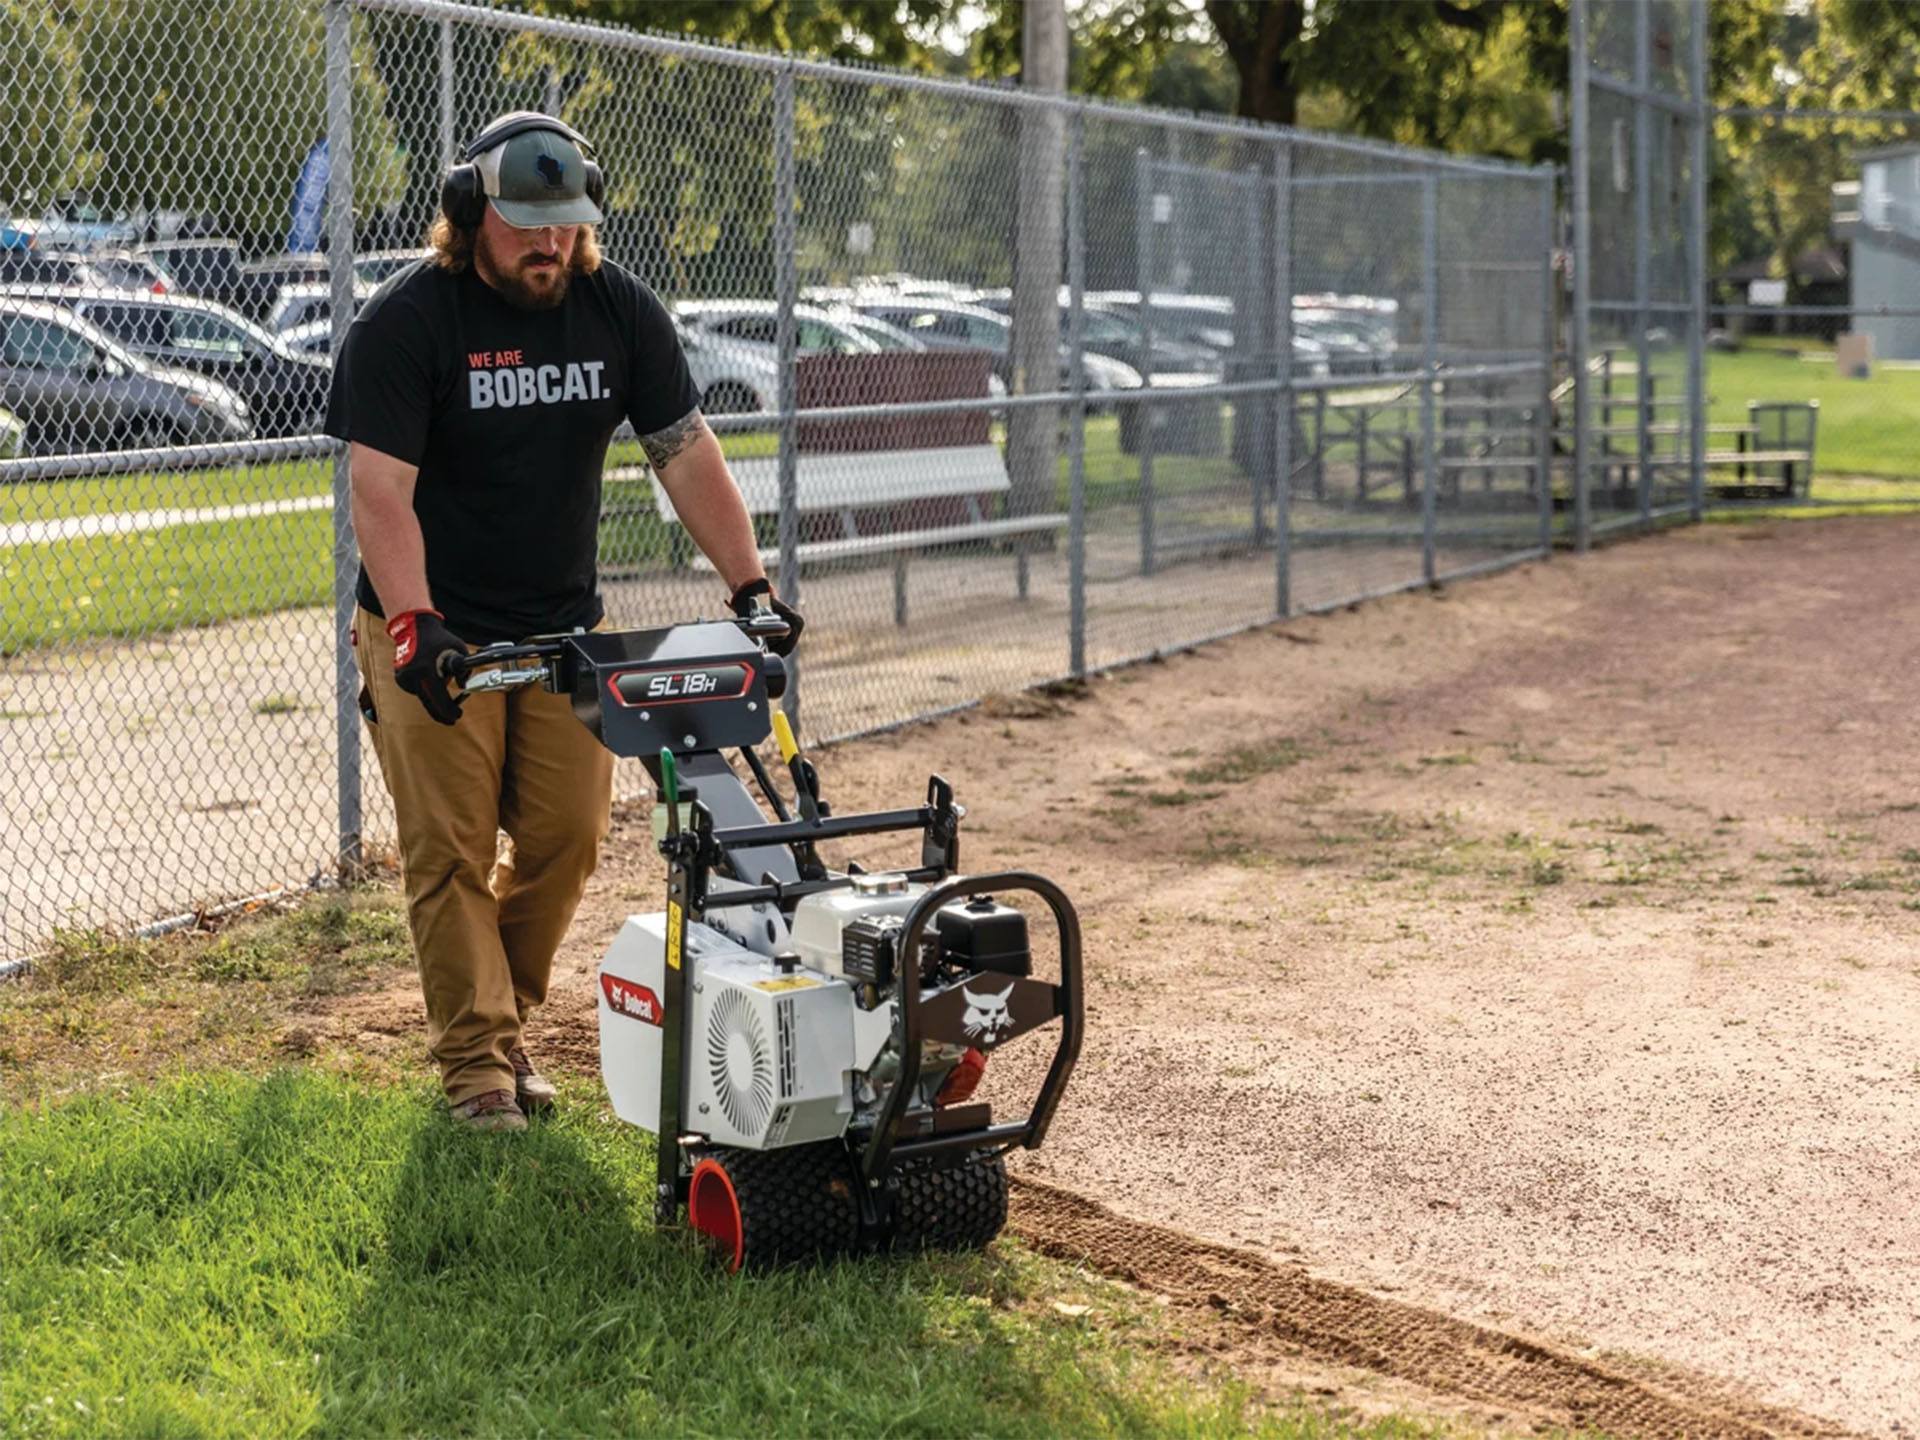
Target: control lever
[[806, 793]]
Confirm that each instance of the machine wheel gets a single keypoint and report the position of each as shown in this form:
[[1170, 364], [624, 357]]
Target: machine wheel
[[763, 1208], [960, 1208]]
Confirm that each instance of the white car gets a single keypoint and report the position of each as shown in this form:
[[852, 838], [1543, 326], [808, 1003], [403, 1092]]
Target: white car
[[749, 326], [732, 380], [733, 354], [302, 304], [313, 338]]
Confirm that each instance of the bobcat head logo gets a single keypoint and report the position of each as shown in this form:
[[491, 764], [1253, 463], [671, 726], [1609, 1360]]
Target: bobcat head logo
[[987, 1019], [551, 171]]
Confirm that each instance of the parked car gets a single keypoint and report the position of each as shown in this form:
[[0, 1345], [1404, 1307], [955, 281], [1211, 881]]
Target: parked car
[[892, 337], [378, 265], [750, 325], [126, 270], [302, 304], [745, 330], [313, 338], [208, 269], [79, 222], [285, 390], [887, 337], [269, 274], [732, 380], [951, 325], [76, 389], [1115, 334], [30, 265]]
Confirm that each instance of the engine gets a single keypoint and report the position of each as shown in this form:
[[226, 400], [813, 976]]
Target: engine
[[793, 1029]]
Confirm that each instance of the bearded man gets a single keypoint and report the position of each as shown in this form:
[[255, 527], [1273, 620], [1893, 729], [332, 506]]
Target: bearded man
[[477, 391]]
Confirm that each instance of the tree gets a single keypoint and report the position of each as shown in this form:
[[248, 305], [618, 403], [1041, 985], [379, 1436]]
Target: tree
[[41, 97], [217, 119]]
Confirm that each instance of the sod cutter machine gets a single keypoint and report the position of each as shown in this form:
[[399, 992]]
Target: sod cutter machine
[[804, 1043]]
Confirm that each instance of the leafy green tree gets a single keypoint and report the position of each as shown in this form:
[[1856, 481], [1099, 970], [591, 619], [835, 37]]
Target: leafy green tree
[[41, 97], [216, 119]]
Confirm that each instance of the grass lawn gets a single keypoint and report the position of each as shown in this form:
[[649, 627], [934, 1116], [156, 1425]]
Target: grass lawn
[[199, 1236], [1867, 427]]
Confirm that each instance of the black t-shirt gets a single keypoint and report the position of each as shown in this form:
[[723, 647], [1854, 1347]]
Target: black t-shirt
[[507, 412]]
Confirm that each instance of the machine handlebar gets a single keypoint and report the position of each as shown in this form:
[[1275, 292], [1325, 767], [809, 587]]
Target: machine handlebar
[[486, 668]]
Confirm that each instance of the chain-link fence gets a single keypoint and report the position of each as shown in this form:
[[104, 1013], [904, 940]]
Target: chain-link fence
[[1003, 377], [1703, 389]]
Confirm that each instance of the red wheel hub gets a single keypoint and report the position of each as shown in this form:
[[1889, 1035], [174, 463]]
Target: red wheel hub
[[714, 1211]]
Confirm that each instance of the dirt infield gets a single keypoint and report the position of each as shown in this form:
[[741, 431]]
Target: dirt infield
[[1519, 1381], [1540, 959]]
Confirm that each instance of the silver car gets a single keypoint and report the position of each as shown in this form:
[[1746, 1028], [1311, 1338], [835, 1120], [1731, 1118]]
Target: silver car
[[75, 389]]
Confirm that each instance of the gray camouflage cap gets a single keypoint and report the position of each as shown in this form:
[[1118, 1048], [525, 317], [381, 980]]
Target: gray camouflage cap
[[538, 178]]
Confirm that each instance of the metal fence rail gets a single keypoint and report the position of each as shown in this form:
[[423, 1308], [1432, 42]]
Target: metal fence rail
[[1295, 370]]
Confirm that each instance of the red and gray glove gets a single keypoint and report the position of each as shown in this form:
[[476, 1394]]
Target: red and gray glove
[[744, 603], [420, 639]]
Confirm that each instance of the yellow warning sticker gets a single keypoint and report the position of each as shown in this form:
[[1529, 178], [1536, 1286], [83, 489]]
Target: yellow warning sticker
[[673, 934], [790, 982]]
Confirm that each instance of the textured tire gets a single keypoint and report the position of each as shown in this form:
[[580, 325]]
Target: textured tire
[[796, 1204], [959, 1208]]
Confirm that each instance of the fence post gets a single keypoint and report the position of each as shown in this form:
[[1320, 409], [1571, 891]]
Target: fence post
[[1254, 196], [1643, 252], [346, 689], [1283, 366], [1697, 270], [1429, 371], [1077, 412], [446, 92], [1143, 407], [786, 286], [1549, 332], [1581, 143]]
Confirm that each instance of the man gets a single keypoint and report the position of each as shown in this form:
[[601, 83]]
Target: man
[[477, 391]]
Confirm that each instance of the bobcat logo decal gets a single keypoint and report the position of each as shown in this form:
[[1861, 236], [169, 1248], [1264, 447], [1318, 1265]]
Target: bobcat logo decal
[[987, 1019]]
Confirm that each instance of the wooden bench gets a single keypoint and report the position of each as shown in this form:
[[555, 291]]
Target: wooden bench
[[894, 486]]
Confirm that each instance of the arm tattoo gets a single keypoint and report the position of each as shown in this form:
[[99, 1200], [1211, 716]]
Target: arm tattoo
[[662, 445]]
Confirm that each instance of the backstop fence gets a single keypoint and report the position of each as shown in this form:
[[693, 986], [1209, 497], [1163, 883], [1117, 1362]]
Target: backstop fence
[[1688, 390], [1017, 386]]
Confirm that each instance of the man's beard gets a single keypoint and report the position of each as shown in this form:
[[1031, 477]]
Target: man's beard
[[535, 288]]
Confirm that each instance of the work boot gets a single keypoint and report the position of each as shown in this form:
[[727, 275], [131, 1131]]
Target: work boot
[[532, 1089], [490, 1110]]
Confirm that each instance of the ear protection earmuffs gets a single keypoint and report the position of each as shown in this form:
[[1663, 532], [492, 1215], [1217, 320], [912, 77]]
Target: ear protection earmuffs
[[463, 194]]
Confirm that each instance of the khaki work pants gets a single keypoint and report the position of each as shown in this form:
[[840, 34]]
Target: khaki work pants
[[486, 917]]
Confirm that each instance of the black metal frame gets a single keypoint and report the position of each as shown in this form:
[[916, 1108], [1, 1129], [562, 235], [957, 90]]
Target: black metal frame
[[694, 851], [883, 1149]]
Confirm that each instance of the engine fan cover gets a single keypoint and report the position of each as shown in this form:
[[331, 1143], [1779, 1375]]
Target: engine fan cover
[[770, 1056]]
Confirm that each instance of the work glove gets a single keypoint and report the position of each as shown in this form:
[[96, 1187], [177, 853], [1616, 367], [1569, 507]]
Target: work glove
[[420, 638], [744, 603]]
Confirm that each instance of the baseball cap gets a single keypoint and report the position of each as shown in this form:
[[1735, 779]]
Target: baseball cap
[[538, 178]]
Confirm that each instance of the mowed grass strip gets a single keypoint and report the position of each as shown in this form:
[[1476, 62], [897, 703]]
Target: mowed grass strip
[[301, 1253], [245, 1246]]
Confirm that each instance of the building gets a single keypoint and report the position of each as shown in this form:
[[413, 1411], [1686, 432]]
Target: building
[[1879, 216]]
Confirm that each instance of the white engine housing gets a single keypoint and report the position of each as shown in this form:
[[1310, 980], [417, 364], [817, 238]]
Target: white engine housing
[[769, 1052]]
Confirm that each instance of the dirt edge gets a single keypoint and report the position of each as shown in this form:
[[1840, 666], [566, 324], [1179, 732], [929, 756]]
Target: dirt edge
[[1283, 1307]]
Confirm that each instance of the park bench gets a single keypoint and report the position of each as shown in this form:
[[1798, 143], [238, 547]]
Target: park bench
[[894, 486], [1772, 454]]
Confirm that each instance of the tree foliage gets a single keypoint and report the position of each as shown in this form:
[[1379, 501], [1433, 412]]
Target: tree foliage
[[146, 104], [41, 96]]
